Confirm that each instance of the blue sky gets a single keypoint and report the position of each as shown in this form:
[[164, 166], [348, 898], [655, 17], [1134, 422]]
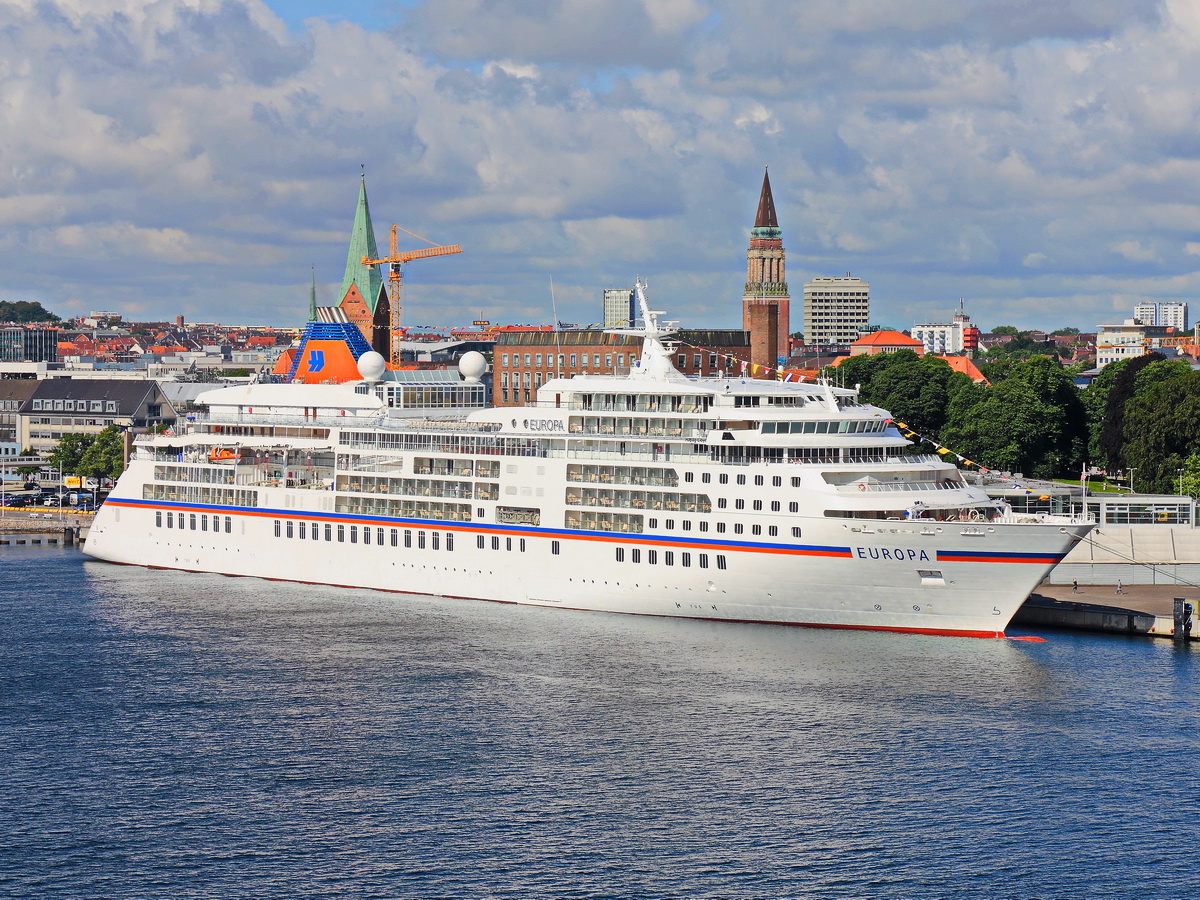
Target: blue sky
[[197, 157]]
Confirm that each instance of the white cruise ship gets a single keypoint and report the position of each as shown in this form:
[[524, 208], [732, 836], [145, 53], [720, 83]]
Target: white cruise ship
[[650, 493]]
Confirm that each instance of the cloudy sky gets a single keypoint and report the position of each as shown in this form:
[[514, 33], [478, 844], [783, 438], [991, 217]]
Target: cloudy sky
[[197, 157]]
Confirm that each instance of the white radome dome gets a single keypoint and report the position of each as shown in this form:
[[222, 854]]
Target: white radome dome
[[371, 366], [472, 365]]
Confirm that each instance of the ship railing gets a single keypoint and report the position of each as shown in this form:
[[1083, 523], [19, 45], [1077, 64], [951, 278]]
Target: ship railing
[[868, 486], [1012, 517], [326, 421]]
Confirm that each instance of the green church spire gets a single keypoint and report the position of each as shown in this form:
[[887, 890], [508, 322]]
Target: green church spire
[[362, 243]]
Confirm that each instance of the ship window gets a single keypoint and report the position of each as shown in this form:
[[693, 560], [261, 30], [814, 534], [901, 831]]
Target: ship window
[[772, 530], [706, 477], [689, 476], [433, 540], [720, 560], [278, 526], [170, 519], [669, 557], [396, 538], [635, 555], [795, 482], [408, 537], [738, 528], [522, 545], [287, 529], [795, 532], [652, 557], [508, 544], [758, 479], [228, 525], [687, 524], [341, 534], [704, 526], [793, 507], [777, 481], [724, 479], [204, 524], [741, 479], [620, 554], [495, 543], [739, 503], [555, 547], [653, 524], [669, 524], [720, 528], [366, 534], [480, 542], [450, 540], [758, 504], [685, 558], [420, 540], [328, 532], [722, 503], [774, 506], [354, 534], [756, 529], [158, 519]]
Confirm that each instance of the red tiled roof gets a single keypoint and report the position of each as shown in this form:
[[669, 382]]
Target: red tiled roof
[[886, 339]]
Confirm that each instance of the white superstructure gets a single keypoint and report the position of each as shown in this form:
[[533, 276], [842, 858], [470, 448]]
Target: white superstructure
[[652, 493]]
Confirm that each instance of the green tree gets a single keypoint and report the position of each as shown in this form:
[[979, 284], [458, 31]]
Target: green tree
[[1191, 475], [104, 458], [1162, 430], [917, 390], [1110, 438], [1009, 428], [25, 312], [1006, 329], [68, 452]]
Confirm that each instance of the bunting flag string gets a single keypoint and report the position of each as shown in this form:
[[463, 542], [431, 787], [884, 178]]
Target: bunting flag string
[[946, 451]]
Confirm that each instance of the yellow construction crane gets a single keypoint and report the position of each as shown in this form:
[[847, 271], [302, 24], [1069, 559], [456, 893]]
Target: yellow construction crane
[[396, 260]]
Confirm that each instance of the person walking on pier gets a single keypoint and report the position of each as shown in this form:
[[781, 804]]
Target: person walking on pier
[[1074, 585], [1120, 588]]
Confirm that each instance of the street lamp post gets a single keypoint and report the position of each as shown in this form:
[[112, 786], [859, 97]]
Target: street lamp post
[[1132, 469], [1180, 473]]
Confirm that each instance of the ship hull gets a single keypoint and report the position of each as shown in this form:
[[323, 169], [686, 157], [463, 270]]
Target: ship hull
[[935, 578]]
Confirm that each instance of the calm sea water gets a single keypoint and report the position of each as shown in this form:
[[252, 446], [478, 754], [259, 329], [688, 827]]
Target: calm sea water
[[171, 735]]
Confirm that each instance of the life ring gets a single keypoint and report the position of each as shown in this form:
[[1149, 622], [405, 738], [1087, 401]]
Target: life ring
[[862, 487]]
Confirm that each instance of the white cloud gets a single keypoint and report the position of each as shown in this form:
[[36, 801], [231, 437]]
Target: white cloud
[[1036, 158], [1133, 250]]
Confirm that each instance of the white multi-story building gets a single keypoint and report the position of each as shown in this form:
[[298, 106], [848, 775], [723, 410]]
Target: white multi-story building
[[949, 339], [1129, 339], [836, 310], [1172, 314]]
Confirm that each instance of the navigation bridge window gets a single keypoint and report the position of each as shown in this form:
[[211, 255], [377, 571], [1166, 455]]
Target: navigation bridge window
[[860, 426]]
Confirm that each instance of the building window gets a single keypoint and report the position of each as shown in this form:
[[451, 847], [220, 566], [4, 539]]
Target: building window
[[504, 359], [573, 358]]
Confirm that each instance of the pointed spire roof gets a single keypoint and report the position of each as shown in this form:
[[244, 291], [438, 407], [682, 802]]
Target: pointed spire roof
[[362, 243], [312, 297], [766, 206]]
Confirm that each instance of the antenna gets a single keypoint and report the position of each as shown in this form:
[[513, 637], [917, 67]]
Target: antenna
[[557, 332]]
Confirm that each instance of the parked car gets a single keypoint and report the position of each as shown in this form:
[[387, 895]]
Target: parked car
[[14, 502]]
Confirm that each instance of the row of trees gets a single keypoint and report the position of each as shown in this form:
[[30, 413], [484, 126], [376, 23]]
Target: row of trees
[[1141, 413], [90, 455]]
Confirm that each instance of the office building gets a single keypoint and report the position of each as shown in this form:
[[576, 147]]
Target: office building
[[836, 310]]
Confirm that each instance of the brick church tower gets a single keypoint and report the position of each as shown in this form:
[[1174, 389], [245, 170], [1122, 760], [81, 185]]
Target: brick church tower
[[766, 283], [363, 296]]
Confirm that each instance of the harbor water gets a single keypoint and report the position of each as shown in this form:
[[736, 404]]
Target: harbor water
[[174, 735]]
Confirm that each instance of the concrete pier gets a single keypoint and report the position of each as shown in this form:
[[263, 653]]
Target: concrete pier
[[1146, 609]]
